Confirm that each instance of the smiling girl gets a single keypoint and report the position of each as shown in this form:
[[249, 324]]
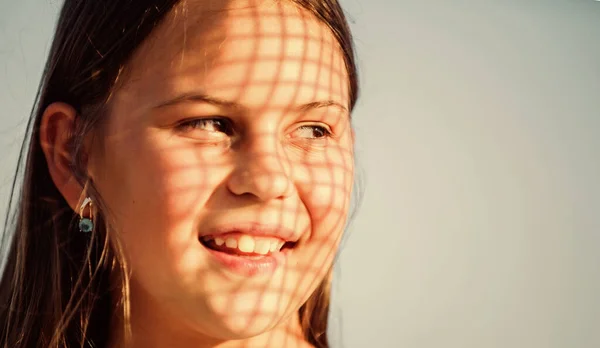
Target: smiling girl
[[187, 177]]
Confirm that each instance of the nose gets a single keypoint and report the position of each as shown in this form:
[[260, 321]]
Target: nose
[[263, 172]]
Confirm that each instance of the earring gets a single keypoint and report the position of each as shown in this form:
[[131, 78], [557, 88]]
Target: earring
[[86, 224]]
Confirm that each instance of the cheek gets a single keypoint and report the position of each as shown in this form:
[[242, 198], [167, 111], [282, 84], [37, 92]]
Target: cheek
[[154, 188], [151, 181], [326, 191], [326, 187]]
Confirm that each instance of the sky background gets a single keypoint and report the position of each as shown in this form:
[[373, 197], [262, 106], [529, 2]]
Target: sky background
[[479, 141]]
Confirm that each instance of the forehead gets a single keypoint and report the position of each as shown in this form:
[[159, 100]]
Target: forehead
[[257, 53]]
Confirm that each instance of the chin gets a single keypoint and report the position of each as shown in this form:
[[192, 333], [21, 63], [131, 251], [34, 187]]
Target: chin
[[240, 327], [243, 326]]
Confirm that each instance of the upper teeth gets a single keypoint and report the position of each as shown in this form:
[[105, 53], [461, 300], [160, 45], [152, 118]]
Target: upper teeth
[[249, 244]]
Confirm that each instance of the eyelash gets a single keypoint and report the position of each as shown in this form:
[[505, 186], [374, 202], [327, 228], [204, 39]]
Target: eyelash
[[326, 133], [226, 126]]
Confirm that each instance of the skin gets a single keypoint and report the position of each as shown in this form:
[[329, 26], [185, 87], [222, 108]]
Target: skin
[[279, 76]]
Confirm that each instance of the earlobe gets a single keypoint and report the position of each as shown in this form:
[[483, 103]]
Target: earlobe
[[56, 127]]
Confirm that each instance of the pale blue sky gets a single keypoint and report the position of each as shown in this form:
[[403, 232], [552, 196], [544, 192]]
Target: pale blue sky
[[479, 135]]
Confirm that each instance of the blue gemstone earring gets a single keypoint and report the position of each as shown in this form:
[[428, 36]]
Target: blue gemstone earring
[[86, 224]]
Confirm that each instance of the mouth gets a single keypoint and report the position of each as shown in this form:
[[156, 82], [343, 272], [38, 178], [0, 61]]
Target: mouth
[[243, 245], [246, 246], [250, 249], [248, 255]]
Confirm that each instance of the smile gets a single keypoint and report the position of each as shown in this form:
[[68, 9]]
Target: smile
[[245, 245], [249, 251]]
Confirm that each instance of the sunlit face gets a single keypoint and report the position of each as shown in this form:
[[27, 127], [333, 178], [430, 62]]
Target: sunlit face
[[229, 137]]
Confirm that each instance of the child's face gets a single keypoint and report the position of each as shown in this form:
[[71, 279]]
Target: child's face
[[275, 77]]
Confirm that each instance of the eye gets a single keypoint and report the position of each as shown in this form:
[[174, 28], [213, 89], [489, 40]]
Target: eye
[[311, 131], [208, 124]]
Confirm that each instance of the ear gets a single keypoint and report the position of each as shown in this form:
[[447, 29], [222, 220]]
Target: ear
[[57, 126]]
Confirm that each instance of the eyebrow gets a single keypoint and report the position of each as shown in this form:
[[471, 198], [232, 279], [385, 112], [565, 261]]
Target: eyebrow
[[204, 98], [321, 104]]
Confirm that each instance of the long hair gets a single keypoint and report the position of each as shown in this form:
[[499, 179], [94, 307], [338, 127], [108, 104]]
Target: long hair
[[55, 287]]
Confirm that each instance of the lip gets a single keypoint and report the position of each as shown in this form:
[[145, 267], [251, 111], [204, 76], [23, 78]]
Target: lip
[[253, 229], [251, 266]]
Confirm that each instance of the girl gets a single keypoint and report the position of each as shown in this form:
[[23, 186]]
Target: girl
[[187, 177]]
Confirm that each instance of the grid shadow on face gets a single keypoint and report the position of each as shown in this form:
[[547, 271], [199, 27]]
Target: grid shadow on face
[[230, 135]]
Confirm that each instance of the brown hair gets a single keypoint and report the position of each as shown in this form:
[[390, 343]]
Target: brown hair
[[55, 290]]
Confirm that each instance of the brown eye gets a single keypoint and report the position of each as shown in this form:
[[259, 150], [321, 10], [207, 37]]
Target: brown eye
[[311, 132], [213, 125]]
